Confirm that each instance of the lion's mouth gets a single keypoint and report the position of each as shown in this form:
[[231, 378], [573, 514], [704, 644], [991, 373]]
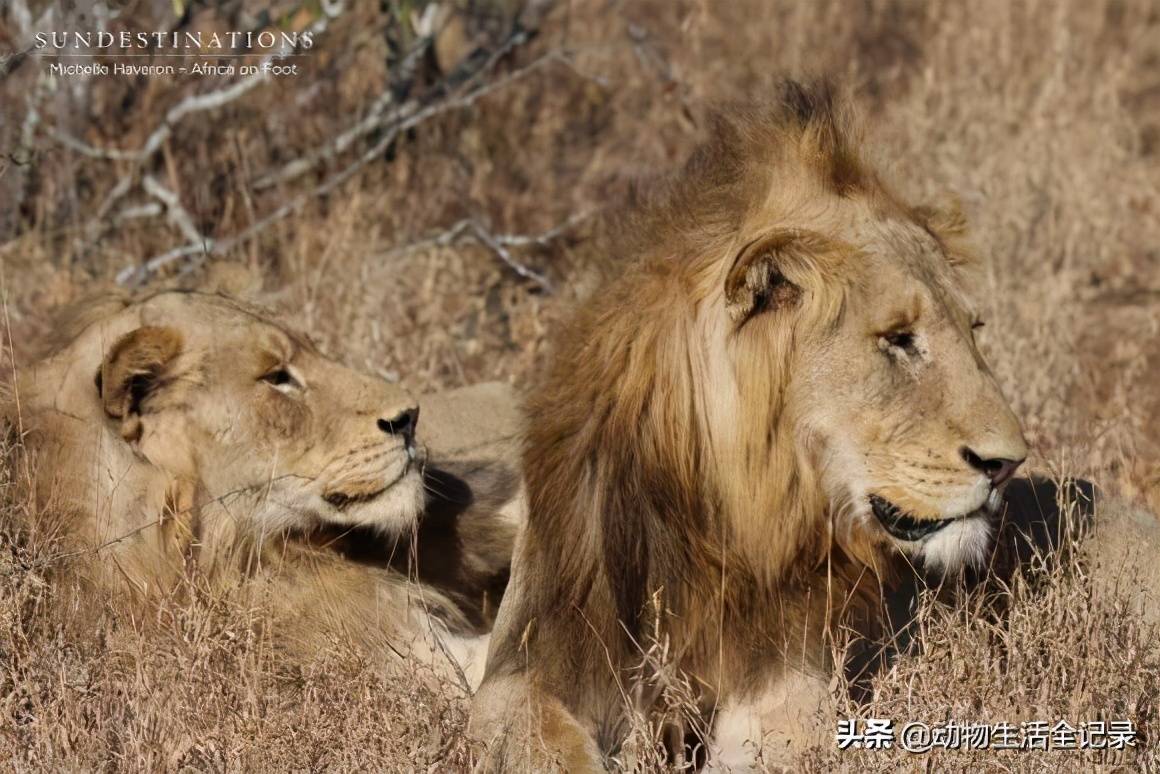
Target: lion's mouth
[[342, 500], [902, 525]]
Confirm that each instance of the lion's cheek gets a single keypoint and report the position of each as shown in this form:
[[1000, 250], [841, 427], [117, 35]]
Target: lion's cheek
[[281, 419], [167, 443]]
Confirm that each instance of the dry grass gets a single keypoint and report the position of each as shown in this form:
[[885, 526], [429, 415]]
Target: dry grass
[[1043, 117], [90, 682], [1048, 647]]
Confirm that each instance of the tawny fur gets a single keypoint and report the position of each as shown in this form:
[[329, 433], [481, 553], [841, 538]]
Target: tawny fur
[[175, 461], [702, 449]]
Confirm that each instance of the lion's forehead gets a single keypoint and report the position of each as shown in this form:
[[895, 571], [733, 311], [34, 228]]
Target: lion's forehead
[[216, 318], [902, 286], [891, 257], [897, 241]]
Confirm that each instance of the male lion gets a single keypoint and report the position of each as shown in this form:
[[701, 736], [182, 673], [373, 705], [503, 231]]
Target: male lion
[[778, 398], [189, 431]]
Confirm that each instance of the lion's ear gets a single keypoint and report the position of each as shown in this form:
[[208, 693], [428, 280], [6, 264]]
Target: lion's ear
[[947, 223], [758, 279], [134, 369], [945, 219]]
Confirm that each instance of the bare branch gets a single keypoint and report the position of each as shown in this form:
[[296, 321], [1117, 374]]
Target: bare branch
[[97, 225], [135, 275], [298, 167], [505, 255], [150, 210], [372, 121], [521, 240], [442, 239], [497, 243], [178, 215], [409, 114], [196, 103], [192, 104]]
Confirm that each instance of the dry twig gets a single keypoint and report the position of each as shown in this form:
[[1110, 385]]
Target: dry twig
[[135, 275], [497, 243]]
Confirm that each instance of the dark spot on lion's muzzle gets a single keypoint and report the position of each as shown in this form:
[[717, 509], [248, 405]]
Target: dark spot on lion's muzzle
[[341, 500]]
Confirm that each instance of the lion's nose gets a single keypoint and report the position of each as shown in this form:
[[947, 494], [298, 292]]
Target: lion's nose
[[402, 424], [998, 469]]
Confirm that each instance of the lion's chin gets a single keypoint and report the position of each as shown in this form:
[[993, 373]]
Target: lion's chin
[[962, 543], [393, 509]]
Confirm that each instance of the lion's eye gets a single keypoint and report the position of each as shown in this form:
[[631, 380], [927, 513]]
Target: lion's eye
[[976, 324], [281, 379], [903, 340]]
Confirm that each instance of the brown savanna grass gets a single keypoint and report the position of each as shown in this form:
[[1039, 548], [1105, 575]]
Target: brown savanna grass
[[1042, 117], [91, 682], [1046, 646]]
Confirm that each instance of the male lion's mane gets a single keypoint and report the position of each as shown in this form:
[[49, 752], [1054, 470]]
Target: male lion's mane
[[625, 502]]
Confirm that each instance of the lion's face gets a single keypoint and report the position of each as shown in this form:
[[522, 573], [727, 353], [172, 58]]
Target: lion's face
[[263, 424], [917, 438], [889, 400]]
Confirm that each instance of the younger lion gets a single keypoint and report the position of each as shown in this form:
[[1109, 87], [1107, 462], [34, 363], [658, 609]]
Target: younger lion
[[189, 434], [739, 436]]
